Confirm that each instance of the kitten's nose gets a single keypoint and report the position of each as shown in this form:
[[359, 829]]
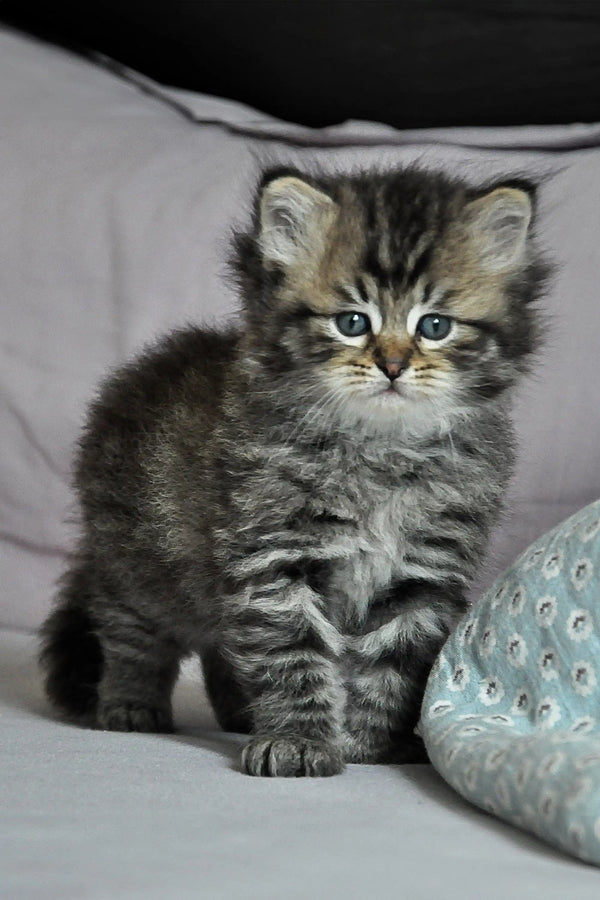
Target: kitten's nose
[[392, 367]]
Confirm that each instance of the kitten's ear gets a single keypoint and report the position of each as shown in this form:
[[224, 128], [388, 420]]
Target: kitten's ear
[[293, 216], [498, 224]]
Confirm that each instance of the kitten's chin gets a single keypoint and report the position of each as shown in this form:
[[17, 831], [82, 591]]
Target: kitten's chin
[[395, 398], [391, 408], [399, 409]]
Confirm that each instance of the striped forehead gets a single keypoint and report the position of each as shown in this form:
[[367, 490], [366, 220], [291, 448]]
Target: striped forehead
[[400, 234]]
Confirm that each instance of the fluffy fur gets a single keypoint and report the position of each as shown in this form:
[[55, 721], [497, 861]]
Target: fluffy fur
[[302, 507]]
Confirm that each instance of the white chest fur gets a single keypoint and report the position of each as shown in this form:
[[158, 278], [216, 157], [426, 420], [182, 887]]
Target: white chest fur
[[376, 558]]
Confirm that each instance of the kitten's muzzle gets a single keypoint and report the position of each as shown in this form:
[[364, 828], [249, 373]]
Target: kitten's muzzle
[[392, 368]]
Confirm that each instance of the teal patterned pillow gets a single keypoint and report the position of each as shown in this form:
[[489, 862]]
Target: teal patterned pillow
[[511, 715]]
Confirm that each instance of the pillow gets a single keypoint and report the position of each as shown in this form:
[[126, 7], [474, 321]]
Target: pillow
[[511, 715]]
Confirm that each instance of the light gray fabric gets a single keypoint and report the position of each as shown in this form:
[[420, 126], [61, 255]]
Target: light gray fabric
[[115, 207], [121, 817]]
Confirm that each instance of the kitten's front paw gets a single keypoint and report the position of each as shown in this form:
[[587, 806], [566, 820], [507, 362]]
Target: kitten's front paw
[[291, 757]]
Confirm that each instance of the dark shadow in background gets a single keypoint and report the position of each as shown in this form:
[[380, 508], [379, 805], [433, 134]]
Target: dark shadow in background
[[409, 63]]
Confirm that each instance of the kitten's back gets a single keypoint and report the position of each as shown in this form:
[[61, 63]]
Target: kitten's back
[[181, 376], [169, 396]]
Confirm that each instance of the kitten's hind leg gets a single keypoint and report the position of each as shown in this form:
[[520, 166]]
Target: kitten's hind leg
[[139, 671], [106, 665], [225, 693]]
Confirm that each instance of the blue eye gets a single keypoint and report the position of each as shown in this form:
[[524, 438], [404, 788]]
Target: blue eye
[[434, 327], [352, 324]]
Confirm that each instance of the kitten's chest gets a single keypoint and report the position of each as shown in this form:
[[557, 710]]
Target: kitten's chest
[[383, 534], [356, 512]]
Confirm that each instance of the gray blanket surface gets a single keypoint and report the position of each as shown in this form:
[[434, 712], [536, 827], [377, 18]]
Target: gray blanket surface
[[87, 814]]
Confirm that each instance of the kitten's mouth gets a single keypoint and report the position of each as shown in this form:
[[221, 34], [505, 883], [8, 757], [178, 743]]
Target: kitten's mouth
[[398, 391], [393, 390]]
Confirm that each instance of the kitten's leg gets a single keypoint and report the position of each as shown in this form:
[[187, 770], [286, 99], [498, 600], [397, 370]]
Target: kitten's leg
[[139, 671], [225, 693], [106, 665], [284, 652], [387, 668]]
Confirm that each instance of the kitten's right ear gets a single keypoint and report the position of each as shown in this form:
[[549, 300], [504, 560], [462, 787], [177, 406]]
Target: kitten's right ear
[[293, 218]]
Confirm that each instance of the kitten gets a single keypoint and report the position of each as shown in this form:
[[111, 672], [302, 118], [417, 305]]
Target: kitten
[[305, 501]]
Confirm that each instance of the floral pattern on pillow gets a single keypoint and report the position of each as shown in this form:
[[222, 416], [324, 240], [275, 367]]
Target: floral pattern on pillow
[[511, 715]]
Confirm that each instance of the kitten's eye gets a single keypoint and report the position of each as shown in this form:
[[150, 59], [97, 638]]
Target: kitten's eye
[[352, 324], [434, 327]]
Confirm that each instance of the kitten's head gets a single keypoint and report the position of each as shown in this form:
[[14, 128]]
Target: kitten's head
[[389, 298]]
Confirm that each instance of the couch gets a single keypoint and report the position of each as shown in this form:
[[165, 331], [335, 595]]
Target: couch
[[117, 194]]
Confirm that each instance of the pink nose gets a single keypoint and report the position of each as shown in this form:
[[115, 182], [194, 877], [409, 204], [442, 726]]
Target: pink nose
[[392, 367]]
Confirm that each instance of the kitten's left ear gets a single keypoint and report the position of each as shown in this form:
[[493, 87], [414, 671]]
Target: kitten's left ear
[[498, 224], [293, 217]]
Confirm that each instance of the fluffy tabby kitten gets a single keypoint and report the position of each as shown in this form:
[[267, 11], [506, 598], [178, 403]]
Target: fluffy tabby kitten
[[304, 501]]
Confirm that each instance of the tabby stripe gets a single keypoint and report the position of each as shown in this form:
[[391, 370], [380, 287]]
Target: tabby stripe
[[381, 688], [413, 569], [407, 628], [419, 266], [279, 704], [261, 562], [433, 556], [351, 293], [373, 266], [426, 295], [294, 615], [449, 546], [415, 659], [362, 290], [487, 327], [464, 516]]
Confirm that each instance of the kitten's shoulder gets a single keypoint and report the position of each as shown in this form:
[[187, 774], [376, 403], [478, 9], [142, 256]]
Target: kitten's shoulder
[[186, 367], [186, 355]]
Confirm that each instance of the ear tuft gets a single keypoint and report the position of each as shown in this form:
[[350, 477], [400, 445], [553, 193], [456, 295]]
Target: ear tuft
[[498, 224], [291, 216]]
